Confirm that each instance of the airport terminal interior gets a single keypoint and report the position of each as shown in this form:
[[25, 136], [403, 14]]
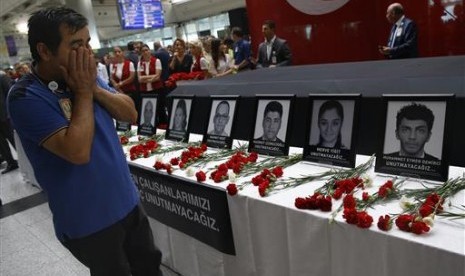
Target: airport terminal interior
[[372, 57]]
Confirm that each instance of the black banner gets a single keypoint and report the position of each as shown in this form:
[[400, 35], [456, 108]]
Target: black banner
[[195, 209]]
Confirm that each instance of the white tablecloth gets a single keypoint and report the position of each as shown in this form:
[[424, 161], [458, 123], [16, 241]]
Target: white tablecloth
[[272, 237]]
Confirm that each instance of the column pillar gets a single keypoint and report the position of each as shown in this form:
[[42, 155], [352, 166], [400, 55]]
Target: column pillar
[[85, 8]]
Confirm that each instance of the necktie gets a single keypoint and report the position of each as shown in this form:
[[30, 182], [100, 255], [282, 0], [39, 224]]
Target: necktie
[[393, 36]]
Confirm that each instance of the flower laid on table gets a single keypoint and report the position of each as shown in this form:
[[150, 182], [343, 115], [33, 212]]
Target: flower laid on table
[[419, 216], [266, 177], [144, 149], [159, 166], [355, 210], [236, 163], [340, 181]]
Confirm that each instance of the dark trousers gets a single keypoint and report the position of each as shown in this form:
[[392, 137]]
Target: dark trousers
[[123, 249], [6, 134]]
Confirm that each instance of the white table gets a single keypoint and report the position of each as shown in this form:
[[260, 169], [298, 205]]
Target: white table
[[272, 237]]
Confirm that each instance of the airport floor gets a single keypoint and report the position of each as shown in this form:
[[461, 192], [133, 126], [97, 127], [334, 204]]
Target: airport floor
[[28, 245]]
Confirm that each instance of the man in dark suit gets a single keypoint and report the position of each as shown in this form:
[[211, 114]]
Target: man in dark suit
[[164, 56], [403, 40], [274, 51], [272, 122], [413, 129]]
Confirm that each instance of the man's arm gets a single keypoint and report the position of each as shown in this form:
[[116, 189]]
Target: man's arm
[[120, 106], [285, 53], [74, 143]]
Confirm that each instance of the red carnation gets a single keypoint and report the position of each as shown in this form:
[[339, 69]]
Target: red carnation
[[158, 165], [325, 203], [364, 220], [385, 223], [403, 222], [300, 203], [349, 201], [232, 189], [337, 194], [278, 171], [174, 161], [365, 196], [426, 209], [419, 227], [350, 214], [200, 176]]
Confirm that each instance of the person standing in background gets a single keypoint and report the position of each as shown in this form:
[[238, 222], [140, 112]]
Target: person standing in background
[[241, 50], [6, 133], [403, 40], [122, 76], [274, 51], [162, 110]]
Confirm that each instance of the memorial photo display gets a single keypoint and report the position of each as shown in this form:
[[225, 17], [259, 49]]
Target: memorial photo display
[[148, 112], [414, 137], [271, 128], [221, 121], [123, 126], [179, 118], [331, 129]]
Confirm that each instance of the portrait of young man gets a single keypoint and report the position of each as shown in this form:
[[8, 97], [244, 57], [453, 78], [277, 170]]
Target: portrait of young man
[[414, 138], [414, 123], [272, 126]]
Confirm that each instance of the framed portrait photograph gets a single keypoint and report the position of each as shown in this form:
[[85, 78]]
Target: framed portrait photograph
[[179, 116], [147, 116], [221, 121], [332, 129], [414, 136], [123, 126], [271, 127]]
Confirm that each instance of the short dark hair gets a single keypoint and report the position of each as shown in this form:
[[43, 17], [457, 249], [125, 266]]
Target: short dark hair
[[130, 46], [44, 27], [273, 106], [416, 111], [237, 31], [270, 23]]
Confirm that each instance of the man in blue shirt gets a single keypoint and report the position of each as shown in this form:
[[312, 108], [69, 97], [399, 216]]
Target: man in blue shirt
[[64, 117], [241, 50]]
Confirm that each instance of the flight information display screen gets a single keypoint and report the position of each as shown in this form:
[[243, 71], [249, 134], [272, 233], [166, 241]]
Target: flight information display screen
[[141, 14]]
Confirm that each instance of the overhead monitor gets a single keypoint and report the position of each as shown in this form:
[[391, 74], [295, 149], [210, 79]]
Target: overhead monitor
[[141, 14]]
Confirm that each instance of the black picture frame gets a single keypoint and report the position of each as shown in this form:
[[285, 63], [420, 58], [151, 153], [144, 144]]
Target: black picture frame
[[332, 141], [221, 104], [148, 112], [175, 131], [399, 141], [259, 141], [123, 126]]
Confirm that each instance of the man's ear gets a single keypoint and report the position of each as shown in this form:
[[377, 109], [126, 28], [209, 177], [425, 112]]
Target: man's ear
[[43, 51], [397, 134]]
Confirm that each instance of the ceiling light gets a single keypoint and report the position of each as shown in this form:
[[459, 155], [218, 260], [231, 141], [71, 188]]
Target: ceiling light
[[22, 27], [176, 2]]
